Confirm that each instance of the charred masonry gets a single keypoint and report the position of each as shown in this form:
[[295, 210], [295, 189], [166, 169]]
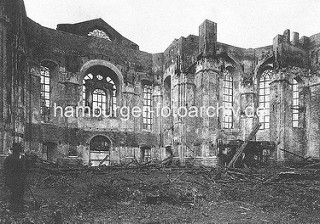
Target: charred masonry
[[91, 63]]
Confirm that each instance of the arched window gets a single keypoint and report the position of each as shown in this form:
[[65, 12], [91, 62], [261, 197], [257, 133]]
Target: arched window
[[264, 99], [227, 121], [100, 90], [45, 93], [295, 103], [100, 34], [147, 107]]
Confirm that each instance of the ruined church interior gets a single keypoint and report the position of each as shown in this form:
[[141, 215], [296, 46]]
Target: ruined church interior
[[237, 139]]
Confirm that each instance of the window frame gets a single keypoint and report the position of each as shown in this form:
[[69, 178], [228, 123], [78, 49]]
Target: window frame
[[295, 103], [147, 104], [99, 99], [45, 92], [109, 106], [264, 98], [227, 101]]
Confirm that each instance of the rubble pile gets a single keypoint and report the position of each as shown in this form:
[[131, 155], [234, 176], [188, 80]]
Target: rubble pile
[[75, 193]]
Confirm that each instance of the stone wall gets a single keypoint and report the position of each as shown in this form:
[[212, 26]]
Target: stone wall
[[189, 73]]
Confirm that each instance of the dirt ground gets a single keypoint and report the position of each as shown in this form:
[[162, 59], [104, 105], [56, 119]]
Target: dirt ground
[[167, 195]]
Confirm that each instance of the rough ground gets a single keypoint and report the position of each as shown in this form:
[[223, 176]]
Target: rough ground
[[167, 195]]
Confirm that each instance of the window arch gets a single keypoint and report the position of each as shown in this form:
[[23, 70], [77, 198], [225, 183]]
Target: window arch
[[147, 106], [264, 98], [100, 34], [295, 103], [227, 121], [99, 89]]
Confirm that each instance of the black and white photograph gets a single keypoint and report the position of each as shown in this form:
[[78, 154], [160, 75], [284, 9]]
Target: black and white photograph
[[159, 111]]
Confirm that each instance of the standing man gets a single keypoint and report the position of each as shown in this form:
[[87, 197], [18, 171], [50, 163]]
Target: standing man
[[15, 177]]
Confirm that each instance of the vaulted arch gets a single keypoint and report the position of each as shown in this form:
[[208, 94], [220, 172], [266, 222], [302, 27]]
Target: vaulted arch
[[103, 78], [107, 64]]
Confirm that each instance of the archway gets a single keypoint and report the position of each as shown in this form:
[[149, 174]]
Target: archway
[[92, 63], [100, 151], [106, 68]]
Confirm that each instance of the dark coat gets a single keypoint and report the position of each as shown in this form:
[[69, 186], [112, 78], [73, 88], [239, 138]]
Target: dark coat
[[15, 171]]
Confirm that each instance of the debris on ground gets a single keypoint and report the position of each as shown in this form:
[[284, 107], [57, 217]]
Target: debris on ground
[[144, 192]]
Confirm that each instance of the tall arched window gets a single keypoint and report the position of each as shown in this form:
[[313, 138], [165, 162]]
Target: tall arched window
[[45, 93], [100, 90], [264, 99], [295, 103], [227, 121], [147, 107]]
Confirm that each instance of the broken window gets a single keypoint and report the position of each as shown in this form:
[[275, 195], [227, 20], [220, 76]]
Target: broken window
[[100, 34], [264, 99], [147, 107], [45, 93], [100, 90], [295, 103], [227, 121]]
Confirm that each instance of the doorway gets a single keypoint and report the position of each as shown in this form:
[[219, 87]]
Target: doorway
[[100, 151]]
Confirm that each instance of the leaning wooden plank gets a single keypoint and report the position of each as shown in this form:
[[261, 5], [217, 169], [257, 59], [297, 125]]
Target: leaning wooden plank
[[104, 160], [292, 153], [243, 146]]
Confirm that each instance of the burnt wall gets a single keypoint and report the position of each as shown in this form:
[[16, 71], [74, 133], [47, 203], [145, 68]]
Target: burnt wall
[[13, 55]]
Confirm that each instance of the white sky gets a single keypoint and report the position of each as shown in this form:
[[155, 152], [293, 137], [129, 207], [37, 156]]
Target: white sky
[[154, 24]]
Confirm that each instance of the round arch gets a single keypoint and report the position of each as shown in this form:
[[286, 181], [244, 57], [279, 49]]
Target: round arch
[[95, 135], [99, 150], [145, 82], [92, 63], [100, 139], [49, 63], [104, 63]]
